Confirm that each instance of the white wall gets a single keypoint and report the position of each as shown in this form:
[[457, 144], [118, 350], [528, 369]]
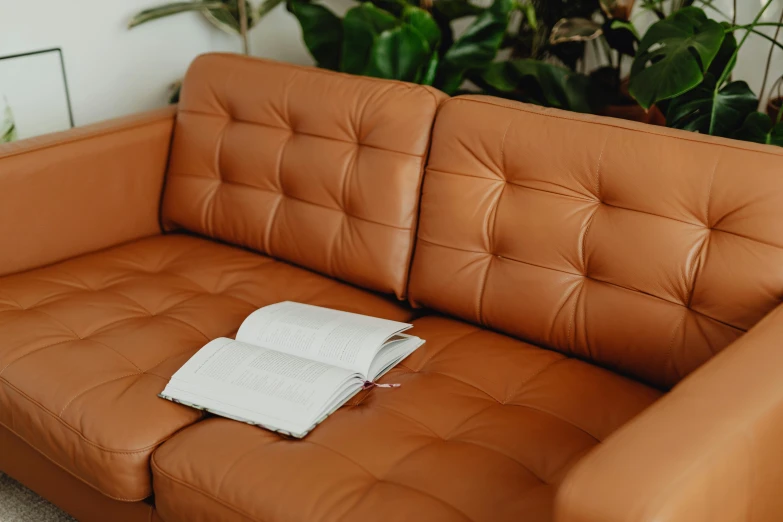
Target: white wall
[[114, 71], [111, 70]]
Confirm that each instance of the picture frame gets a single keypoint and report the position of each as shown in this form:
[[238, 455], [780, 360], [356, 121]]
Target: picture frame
[[34, 95]]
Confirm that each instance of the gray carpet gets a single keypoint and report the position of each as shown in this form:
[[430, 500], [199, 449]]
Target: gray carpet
[[19, 504]]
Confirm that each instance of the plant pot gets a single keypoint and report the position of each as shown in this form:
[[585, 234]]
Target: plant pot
[[635, 113]]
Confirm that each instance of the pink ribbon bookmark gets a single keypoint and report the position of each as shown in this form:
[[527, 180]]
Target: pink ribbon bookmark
[[369, 384]]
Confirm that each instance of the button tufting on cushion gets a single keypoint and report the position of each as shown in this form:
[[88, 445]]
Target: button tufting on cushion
[[483, 428], [313, 167], [86, 345], [598, 238]]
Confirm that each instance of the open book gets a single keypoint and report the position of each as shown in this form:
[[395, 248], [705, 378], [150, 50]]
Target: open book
[[290, 366]]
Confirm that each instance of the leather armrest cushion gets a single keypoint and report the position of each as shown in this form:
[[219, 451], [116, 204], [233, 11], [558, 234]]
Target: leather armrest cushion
[[82, 190], [710, 450]]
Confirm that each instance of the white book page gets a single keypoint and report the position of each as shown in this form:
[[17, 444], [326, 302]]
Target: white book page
[[250, 378], [342, 339]]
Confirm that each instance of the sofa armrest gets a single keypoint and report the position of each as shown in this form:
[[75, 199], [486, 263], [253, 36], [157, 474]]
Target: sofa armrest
[[81, 190], [709, 451]]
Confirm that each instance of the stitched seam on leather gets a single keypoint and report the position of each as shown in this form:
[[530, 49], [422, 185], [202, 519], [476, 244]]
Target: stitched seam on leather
[[583, 239], [241, 457], [208, 217], [200, 491], [670, 346], [490, 243], [4, 368], [315, 71], [590, 278], [280, 198], [53, 415], [569, 116], [490, 230], [339, 454], [66, 470], [90, 339], [472, 331], [598, 169], [701, 258], [496, 451], [187, 324], [406, 417], [709, 189], [586, 200], [284, 195], [555, 415], [91, 135], [95, 386], [415, 490], [457, 379], [391, 151], [572, 320]]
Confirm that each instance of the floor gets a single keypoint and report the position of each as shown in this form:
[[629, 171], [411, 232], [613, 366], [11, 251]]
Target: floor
[[19, 504]]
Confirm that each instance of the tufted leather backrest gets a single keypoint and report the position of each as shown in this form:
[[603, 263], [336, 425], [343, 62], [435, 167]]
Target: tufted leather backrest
[[643, 249], [317, 168]]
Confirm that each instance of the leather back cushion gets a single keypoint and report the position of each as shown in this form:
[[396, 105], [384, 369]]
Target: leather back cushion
[[313, 167], [643, 249]]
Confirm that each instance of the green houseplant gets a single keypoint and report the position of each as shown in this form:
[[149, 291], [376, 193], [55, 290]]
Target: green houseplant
[[684, 65], [396, 40]]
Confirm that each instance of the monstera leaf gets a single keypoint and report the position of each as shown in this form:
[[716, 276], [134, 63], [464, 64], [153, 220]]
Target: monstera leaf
[[322, 32], [400, 54], [674, 55], [362, 25], [759, 128], [539, 82], [710, 111], [477, 46]]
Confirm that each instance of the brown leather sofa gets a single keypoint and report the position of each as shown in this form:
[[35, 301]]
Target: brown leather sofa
[[573, 277]]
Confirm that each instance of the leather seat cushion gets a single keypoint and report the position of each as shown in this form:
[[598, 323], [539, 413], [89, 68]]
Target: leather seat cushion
[[87, 344], [483, 428]]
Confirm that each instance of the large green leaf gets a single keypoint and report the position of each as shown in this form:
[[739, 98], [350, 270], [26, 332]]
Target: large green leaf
[[362, 25], [171, 9], [725, 57], [322, 32], [477, 46], [539, 82], [674, 55], [423, 22], [399, 54], [759, 127], [621, 36], [718, 113]]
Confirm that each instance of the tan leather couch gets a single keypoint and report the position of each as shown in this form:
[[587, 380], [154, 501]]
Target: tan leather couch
[[573, 277]]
